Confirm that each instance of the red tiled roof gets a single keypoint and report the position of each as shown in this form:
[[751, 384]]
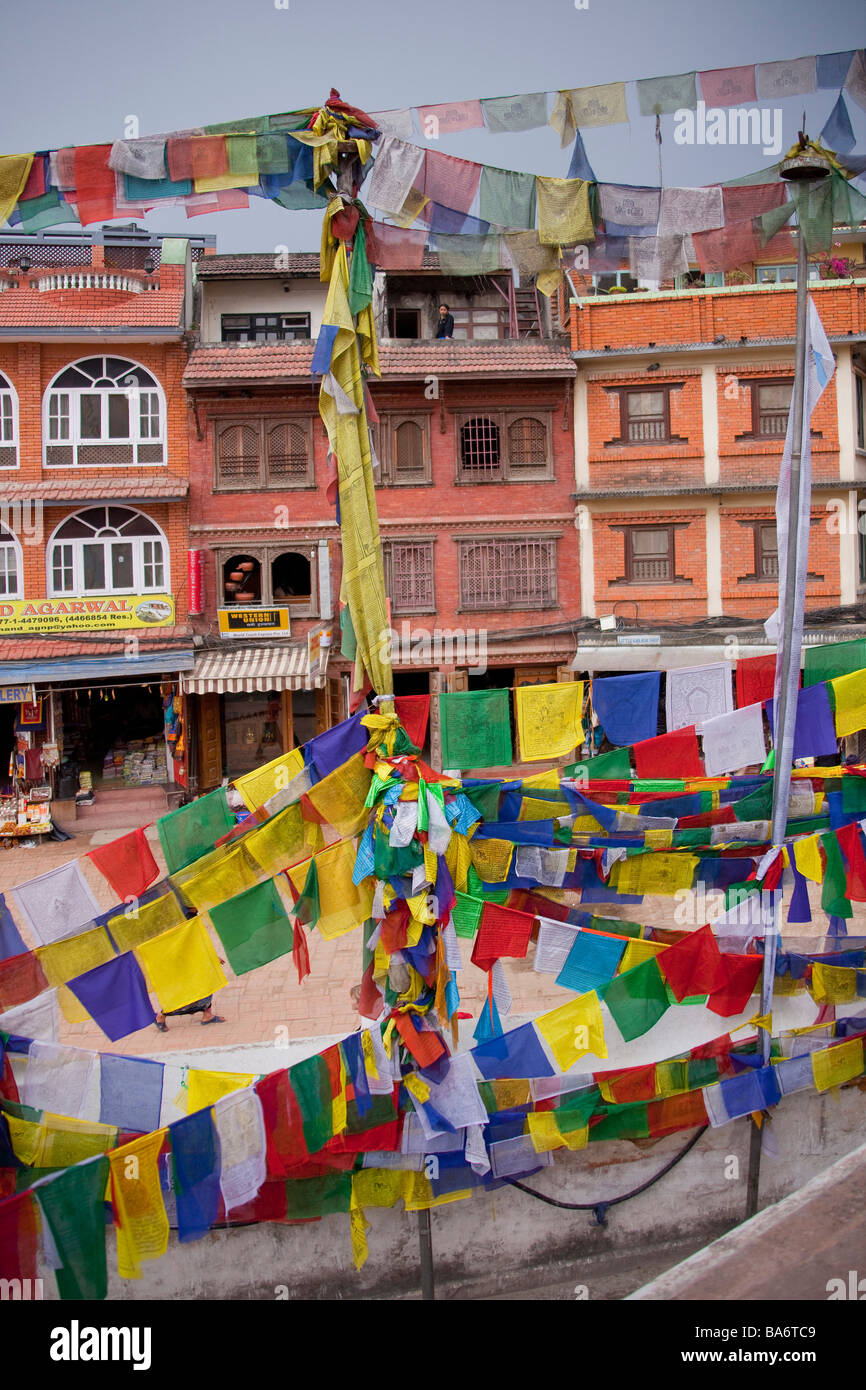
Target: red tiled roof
[[254, 263], [89, 489], [93, 308], [249, 362]]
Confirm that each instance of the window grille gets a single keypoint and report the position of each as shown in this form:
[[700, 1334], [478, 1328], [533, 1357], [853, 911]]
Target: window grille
[[479, 448], [508, 574], [288, 453], [409, 575], [527, 443], [239, 454]]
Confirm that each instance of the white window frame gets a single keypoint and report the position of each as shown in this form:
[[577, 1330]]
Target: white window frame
[[762, 278], [10, 542], [63, 404], [75, 559], [8, 420]]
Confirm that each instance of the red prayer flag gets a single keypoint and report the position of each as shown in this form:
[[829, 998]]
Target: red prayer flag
[[502, 932], [452, 117], [95, 184], [370, 1000], [425, 1046], [694, 965], [450, 181], [851, 843], [739, 979], [413, 711], [728, 86], [395, 927], [19, 1237], [284, 1124], [127, 864], [637, 1083], [740, 204], [673, 1113], [21, 978], [755, 678], [300, 951], [394, 248], [670, 755], [35, 185]]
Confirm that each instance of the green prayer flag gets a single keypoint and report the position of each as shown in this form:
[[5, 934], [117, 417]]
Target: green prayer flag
[[476, 729], [242, 154], [272, 153], [307, 909], [618, 928], [701, 1071], [311, 1197], [311, 1082], [348, 640], [507, 198], [253, 927], [854, 794], [826, 663], [73, 1204], [604, 767], [391, 861], [758, 805], [576, 1109], [300, 195], [627, 1121], [423, 814], [833, 899], [360, 274], [689, 999], [485, 799], [660, 96], [673, 786], [476, 888], [248, 125], [468, 253], [466, 914], [637, 999], [193, 830], [770, 761], [49, 210]]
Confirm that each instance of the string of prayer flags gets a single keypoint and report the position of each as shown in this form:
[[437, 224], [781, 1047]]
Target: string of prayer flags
[[127, 864], [253, 927], [476, 729], [181, 965], [573, 1030], [142, 1223], [193, 830], [549, 719]]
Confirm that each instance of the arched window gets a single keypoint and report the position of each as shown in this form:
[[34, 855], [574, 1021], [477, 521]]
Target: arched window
[[108, 550], [10, 564], [8, 424], [291, 578], [527, 443], [103, 410]]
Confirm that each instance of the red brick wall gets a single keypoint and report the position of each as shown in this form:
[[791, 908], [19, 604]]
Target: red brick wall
[[440, 509], [758, 461], [635, 466], [668, 602], [30, 367], [758, 599]]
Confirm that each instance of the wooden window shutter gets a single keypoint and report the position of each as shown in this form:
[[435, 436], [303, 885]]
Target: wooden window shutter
[[239, 454], [288, 453]]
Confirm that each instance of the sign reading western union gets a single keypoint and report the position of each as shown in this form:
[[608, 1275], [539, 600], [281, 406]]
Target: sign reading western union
[[240, 622], [21, 616]]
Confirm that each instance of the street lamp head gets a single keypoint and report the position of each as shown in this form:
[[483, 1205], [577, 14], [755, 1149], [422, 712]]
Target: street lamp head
[[805, 166]]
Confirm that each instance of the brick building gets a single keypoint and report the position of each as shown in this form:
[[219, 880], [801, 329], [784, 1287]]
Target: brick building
[[681, 410], [475, 448], [93, 487]]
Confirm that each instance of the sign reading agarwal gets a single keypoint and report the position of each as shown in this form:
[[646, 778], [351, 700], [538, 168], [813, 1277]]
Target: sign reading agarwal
[[19, 617]]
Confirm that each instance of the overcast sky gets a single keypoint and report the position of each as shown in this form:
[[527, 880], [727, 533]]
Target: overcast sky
[[182, 63]]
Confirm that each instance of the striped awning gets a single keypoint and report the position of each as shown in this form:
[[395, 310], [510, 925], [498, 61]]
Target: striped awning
[[257, 669]]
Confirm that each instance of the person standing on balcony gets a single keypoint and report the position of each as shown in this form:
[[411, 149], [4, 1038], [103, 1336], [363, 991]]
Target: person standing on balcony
[[445, 326]]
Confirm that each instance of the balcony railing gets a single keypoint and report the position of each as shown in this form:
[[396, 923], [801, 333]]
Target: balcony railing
[[775, 424], [769, 567], [646, 431], [650, 571]]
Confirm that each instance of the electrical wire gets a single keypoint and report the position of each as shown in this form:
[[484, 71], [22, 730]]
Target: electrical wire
[[600, 1208]]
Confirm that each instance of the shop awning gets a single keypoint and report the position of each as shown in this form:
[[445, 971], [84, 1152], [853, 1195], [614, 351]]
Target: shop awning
[[257, 669], [56, 669], [661, 658]]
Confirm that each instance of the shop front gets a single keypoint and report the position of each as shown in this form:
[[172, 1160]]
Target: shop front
[[247, 706]]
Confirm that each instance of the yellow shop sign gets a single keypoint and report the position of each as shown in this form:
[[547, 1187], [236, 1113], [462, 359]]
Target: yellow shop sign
[[19, 617]]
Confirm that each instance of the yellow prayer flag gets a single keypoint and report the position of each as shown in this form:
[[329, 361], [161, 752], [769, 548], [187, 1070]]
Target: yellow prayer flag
[[458, 859], [807, 857], [563, 211], [207, 1087], [14, 172], [63, 960], [181, 965], [431, 864], [658, 839], [258, 786], [491, 858], [547, 781], [339, 798], [833, 984], [71, 1008], [573, 1030], [233, 874], [343, 905], [546, 1134], [215, 183], [416, 1086], [671, 1078], [849, 694], [142, 1223], [284, 839], [831, 1066], [636, 952], [654, 873], [533, 808], [359, 1226], [379, 1187], [548, 719], [138, 924]]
